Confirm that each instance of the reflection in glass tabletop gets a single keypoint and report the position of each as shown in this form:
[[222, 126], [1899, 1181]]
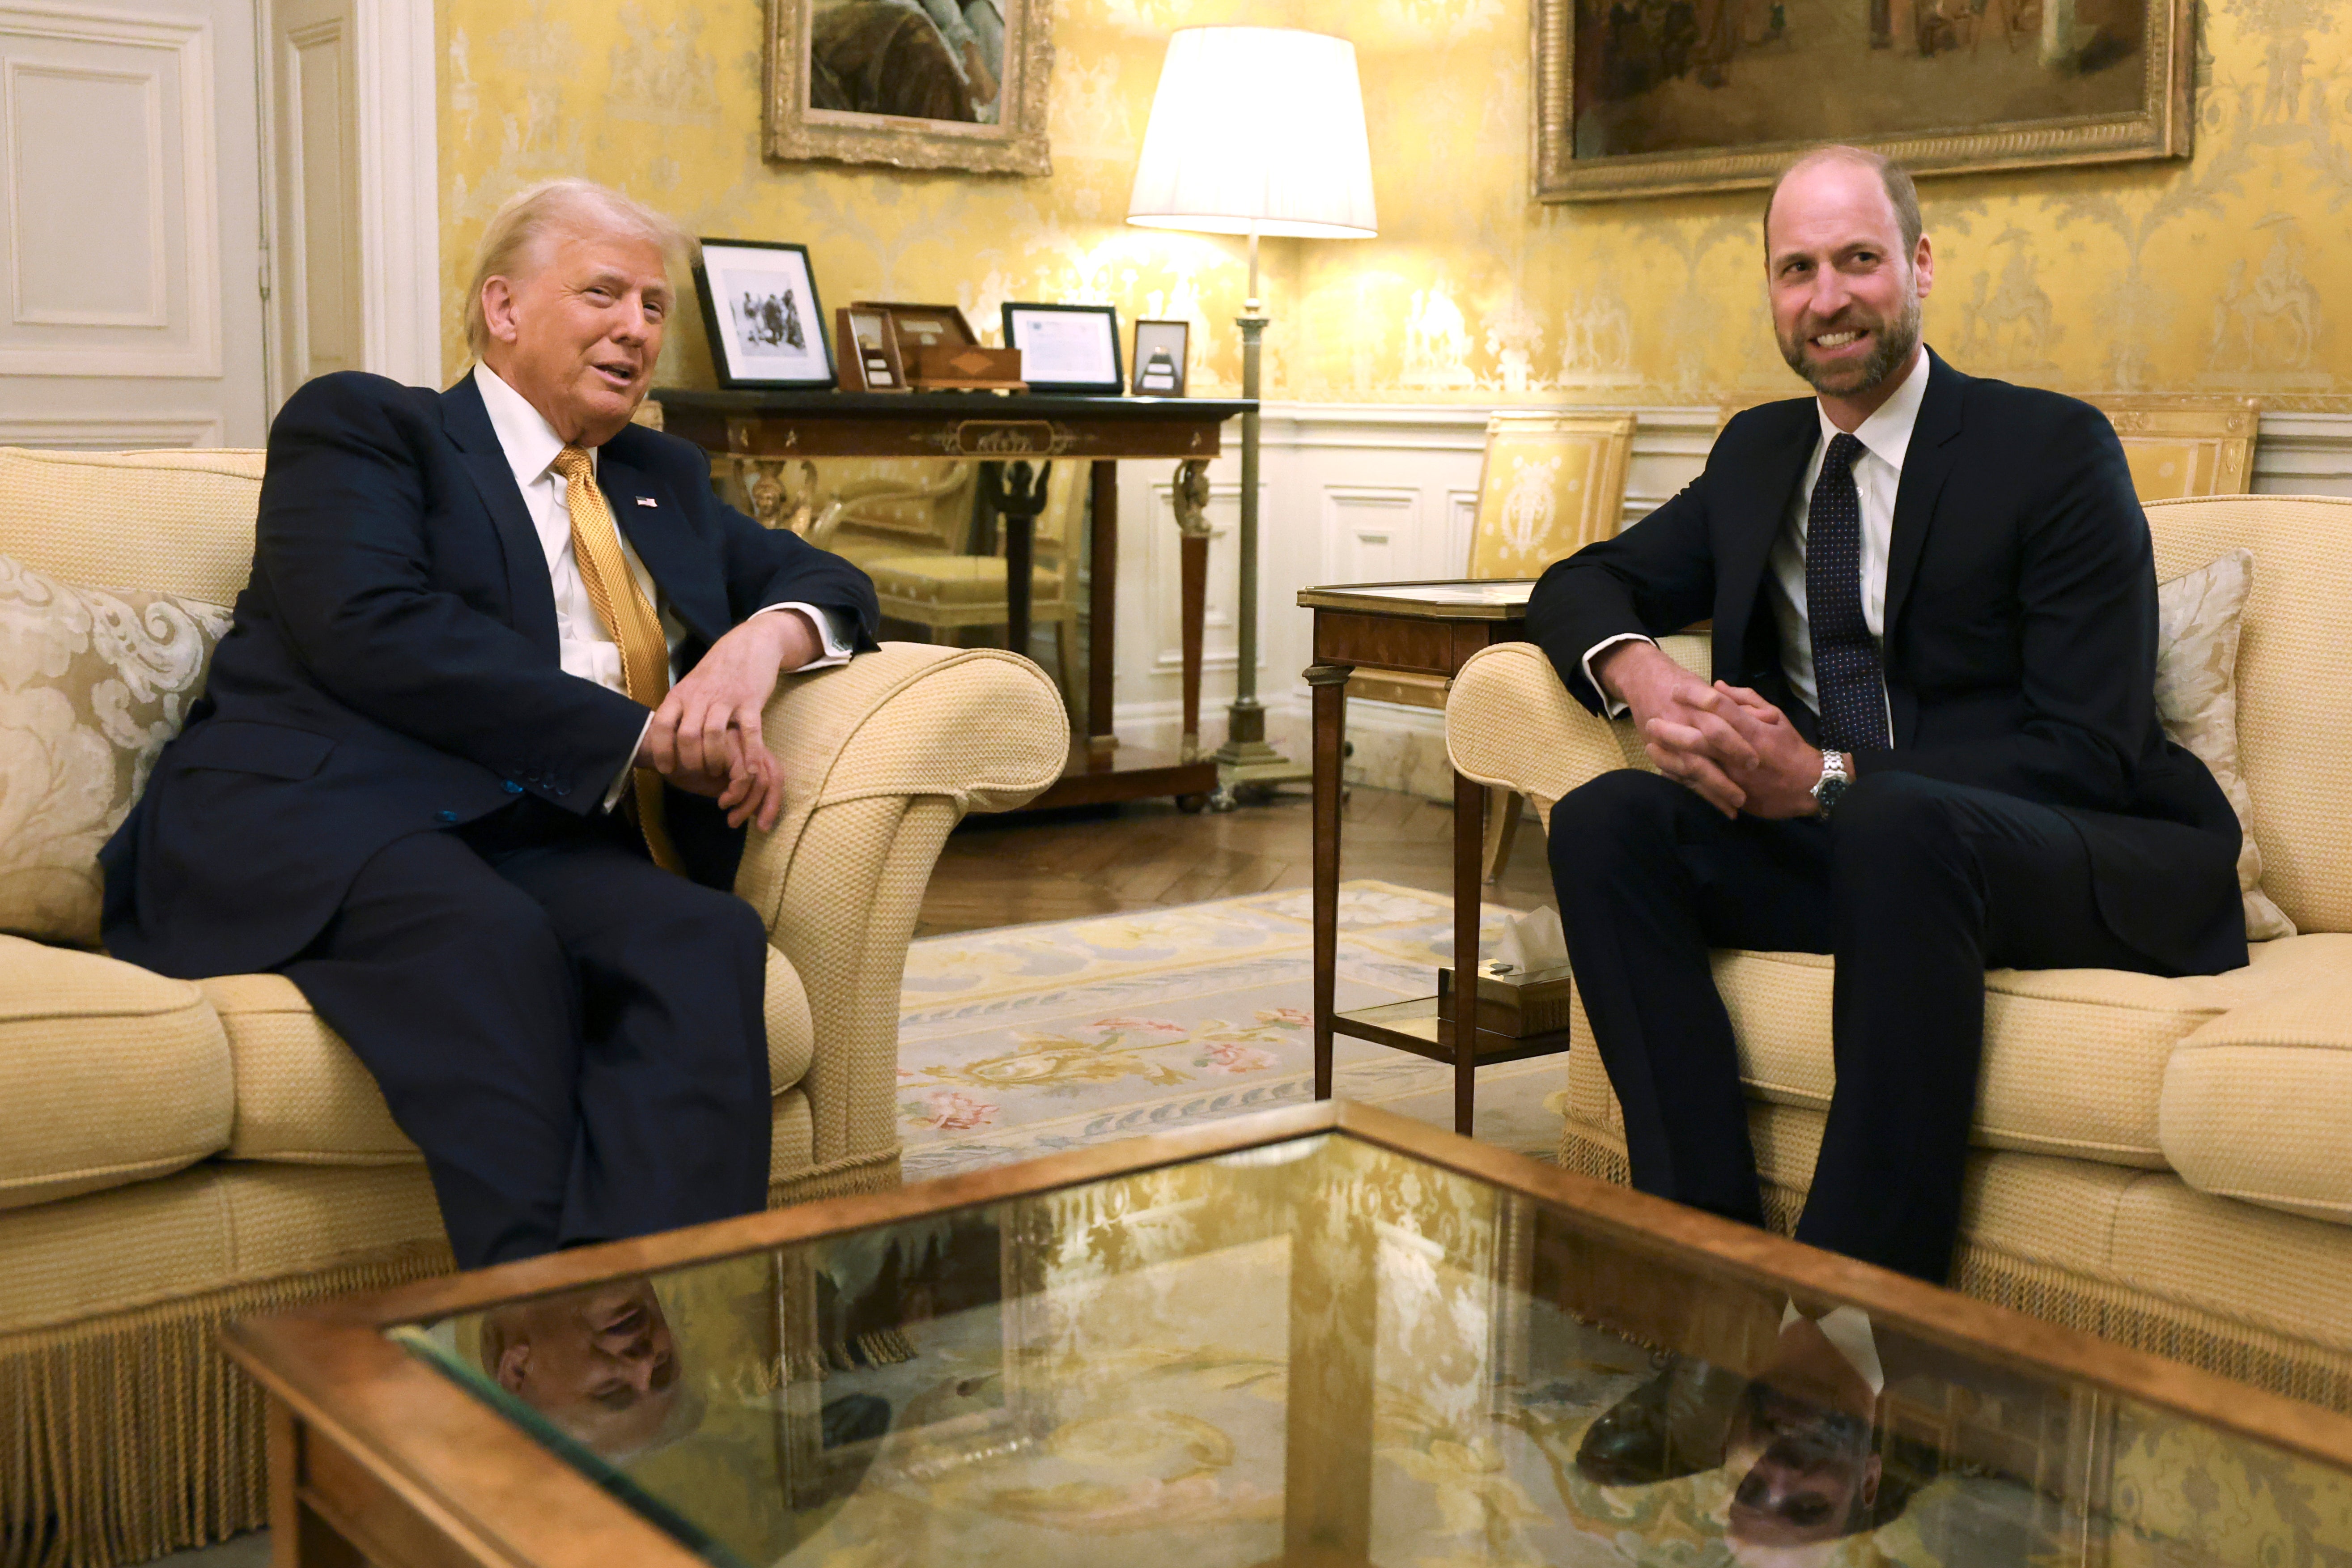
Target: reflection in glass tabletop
[[1325, 1350]]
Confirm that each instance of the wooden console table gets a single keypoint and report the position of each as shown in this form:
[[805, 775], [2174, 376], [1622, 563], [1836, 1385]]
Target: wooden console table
[[1424, 628], [763, 433]]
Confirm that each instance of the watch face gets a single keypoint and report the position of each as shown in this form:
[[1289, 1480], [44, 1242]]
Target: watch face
[[1833, 785]]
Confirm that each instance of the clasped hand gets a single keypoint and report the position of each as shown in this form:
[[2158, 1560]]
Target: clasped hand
[[1735, 749], [705, 736]]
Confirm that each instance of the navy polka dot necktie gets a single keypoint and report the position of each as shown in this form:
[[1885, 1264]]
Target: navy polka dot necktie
[[1848, 682]]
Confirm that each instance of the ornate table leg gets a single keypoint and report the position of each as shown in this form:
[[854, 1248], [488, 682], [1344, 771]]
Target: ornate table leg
[[1102, 613], [1191, 496], [1018, 493], [1329, 684], [773, 505]]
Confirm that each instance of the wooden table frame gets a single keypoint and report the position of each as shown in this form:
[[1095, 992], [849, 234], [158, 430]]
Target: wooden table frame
[[760, 433], [1358, 630], [375, 1456]]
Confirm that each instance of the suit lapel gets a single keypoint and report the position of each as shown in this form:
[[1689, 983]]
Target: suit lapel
[[530, 592], [1757, 516], [1926, 464], [655, 526]]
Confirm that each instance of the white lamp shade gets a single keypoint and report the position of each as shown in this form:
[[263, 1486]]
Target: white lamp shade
[[1258, 128]]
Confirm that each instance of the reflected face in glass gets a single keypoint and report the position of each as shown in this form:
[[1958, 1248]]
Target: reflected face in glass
[[1807, 1476], [598, 1362]]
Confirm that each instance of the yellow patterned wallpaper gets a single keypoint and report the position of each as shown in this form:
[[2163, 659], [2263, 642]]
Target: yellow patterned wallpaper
[[2194, 276]]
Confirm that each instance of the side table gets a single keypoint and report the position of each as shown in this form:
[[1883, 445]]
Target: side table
[[1424, 628]]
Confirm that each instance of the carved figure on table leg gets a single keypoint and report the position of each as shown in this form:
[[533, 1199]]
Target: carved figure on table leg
[[772, 504], [1190, 498]]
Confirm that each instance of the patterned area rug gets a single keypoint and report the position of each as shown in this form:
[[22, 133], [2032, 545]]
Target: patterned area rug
[[1024, 1040]]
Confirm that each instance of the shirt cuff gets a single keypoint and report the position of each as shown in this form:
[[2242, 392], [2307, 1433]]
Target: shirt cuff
[[621, 781], [829, 632], [1616, 709]]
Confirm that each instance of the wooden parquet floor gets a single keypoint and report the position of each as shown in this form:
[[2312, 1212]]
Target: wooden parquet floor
[[998, 870]]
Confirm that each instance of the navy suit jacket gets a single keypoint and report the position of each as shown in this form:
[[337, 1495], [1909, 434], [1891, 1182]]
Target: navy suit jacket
[[2020, 637], [392, 668]]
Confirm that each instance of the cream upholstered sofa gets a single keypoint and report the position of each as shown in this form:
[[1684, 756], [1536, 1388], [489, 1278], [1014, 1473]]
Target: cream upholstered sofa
[[2165, 1162], [173, 1154]]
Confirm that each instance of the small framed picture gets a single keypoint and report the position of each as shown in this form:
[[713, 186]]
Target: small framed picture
[[758, 302], [1067, 348], [869, 350], [1160, 358]]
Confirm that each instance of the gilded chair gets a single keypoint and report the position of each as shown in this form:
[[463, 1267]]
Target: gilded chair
[[1551, 484], [2180, 447], [945, 590]]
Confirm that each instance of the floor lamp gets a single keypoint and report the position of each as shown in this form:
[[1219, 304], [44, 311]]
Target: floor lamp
[[1255, 131]]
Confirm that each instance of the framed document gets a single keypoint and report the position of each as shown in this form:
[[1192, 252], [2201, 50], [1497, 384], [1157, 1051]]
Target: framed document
[[1067, 348], [759, 304], [869, 350], [1160, 358], [921, 327]]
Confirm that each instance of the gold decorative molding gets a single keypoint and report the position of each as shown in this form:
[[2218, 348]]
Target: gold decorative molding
[[1014, 144]]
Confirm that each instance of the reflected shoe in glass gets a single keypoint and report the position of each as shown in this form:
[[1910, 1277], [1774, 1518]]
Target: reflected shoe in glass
[[1673, 1425]]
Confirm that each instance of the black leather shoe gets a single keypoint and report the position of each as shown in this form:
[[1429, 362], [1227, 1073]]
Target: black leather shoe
[[1673, 1425]]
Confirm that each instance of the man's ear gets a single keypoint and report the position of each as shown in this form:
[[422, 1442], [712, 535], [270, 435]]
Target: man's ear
[[1923, 266], [498, 310], [514, 1364]]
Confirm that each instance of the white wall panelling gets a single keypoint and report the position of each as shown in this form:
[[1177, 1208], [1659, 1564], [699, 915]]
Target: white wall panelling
[[101, 433], [400, 200], [1356, 493], [112, 244]]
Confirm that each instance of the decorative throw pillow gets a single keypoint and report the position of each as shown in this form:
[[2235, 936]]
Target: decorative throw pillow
[[92, 682], [2197, 618]]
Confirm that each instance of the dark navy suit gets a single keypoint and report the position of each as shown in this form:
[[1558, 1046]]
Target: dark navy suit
[[2029, 813], [392, 793]]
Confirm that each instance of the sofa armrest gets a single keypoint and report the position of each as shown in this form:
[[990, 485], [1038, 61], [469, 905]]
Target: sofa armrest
[[881, 757]]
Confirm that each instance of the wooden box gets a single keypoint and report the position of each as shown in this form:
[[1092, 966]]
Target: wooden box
[[1521, 1003]]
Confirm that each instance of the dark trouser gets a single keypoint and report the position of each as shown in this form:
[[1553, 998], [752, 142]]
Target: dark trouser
[[574, 1037], [1916, 886]]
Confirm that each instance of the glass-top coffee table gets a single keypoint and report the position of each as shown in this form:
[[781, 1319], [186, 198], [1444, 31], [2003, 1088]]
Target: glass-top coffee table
[[1317, 1336]]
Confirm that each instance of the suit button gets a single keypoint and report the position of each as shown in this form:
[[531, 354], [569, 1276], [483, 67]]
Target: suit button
[[446, 815], [513, 788]]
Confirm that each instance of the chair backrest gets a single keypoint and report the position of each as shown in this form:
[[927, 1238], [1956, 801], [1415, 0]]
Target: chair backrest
[[172, 521], [2295, 739], [917, 503], [2183, 446], [1551, 484]]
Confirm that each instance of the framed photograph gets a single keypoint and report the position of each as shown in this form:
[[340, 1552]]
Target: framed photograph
[[1067, 348], [758, 302], [1655, 96], [1160, 358], [869, 350], [918, 84]]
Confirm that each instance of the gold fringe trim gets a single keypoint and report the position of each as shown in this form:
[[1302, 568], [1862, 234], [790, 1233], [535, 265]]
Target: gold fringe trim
[[2118, 1313], [129, 1435]]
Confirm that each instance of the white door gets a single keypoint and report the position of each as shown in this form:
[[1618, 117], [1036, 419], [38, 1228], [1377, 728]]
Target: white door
[[314, 306], [130, 225]]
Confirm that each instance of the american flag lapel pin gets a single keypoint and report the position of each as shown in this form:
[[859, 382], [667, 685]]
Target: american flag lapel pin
[[647, 501]]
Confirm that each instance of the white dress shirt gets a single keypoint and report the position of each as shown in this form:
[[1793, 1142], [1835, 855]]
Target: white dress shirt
[[584, 645], [1885, 439]]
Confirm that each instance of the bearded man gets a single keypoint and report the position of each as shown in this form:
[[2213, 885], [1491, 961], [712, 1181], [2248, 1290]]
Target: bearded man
[[1930, 747]]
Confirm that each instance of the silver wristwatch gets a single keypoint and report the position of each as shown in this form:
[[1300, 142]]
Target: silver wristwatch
[[1833, 783]]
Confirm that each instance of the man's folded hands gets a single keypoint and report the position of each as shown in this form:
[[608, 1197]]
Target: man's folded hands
[[705, 737], [1735, 749]]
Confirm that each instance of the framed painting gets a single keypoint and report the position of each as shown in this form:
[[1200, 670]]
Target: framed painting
[[1656, 97], [916, 84]]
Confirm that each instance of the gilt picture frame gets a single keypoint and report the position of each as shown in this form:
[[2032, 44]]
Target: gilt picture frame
[[1646, 97], [912, 84]]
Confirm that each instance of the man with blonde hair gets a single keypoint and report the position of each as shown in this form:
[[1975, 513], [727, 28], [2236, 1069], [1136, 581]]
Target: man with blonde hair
[[476, 760]]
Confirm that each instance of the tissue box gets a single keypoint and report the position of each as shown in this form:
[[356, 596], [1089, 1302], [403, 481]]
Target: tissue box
[[1520, 1003]]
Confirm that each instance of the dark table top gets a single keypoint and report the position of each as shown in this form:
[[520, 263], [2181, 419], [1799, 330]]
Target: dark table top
[[824, 403]]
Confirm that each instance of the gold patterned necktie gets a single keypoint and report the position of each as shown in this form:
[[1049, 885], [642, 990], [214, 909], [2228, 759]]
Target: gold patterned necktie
[[628, 615]]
